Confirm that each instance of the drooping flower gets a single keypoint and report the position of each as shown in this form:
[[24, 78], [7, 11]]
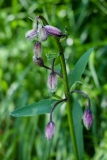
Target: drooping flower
[[87, 118], [37, 50], [43, 34], [31, 34], [52, 82], [50, 130], [53, 31], [38, 61]]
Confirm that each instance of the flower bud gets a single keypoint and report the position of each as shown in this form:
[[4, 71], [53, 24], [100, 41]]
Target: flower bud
[[31, 34], [43, 34], [53, 31], [52, 82], [87, 118], [50, 130], [38, 61], [37, 50]]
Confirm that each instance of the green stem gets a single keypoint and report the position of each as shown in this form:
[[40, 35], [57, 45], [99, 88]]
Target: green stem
[[55, 106], [85, 95], [66, 90], [51, 70]]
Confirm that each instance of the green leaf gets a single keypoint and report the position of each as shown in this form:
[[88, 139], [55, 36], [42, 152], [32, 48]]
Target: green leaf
[[77, 117], [77, 83], [93, 71], [41, 107], [79, 68], [52, 55]]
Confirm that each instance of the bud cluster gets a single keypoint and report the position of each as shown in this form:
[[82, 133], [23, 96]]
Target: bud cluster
[[41, 33]]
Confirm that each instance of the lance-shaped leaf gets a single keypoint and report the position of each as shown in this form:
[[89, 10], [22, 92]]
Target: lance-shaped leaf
[[77, 117], [79, 68], [42, 107]]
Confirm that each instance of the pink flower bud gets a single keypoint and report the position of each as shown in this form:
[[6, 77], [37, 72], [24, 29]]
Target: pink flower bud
[[31, 34], [37, 50], [38, 61], [53, 30], [43, 34], [50, 130], [87, 118], [52, 82]]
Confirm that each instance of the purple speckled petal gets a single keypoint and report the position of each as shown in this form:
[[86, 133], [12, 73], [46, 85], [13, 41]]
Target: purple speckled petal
[[50, 130], [43, 34], [38, 61], [31, 34], [37, 50], [53, 30], [52, 82], [87, 118]]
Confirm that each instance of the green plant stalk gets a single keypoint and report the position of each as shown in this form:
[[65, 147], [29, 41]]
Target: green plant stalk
[[66, 89]]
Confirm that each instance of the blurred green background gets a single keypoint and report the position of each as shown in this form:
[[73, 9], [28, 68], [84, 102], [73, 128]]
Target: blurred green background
[[22, 83]]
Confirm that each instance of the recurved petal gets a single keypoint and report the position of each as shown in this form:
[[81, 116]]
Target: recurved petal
[[43, 34], [31, 34], [51, 30]]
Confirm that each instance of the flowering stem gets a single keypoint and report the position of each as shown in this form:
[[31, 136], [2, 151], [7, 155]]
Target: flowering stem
[[66, 90], [53, 65], [42, 18], [51, 69], [85, 95], [55, 106]]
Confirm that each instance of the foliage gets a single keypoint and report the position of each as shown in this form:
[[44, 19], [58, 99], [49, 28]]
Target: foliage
[[22, 83]]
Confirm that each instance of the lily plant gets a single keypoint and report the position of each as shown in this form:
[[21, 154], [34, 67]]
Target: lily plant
[[39, 34]]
